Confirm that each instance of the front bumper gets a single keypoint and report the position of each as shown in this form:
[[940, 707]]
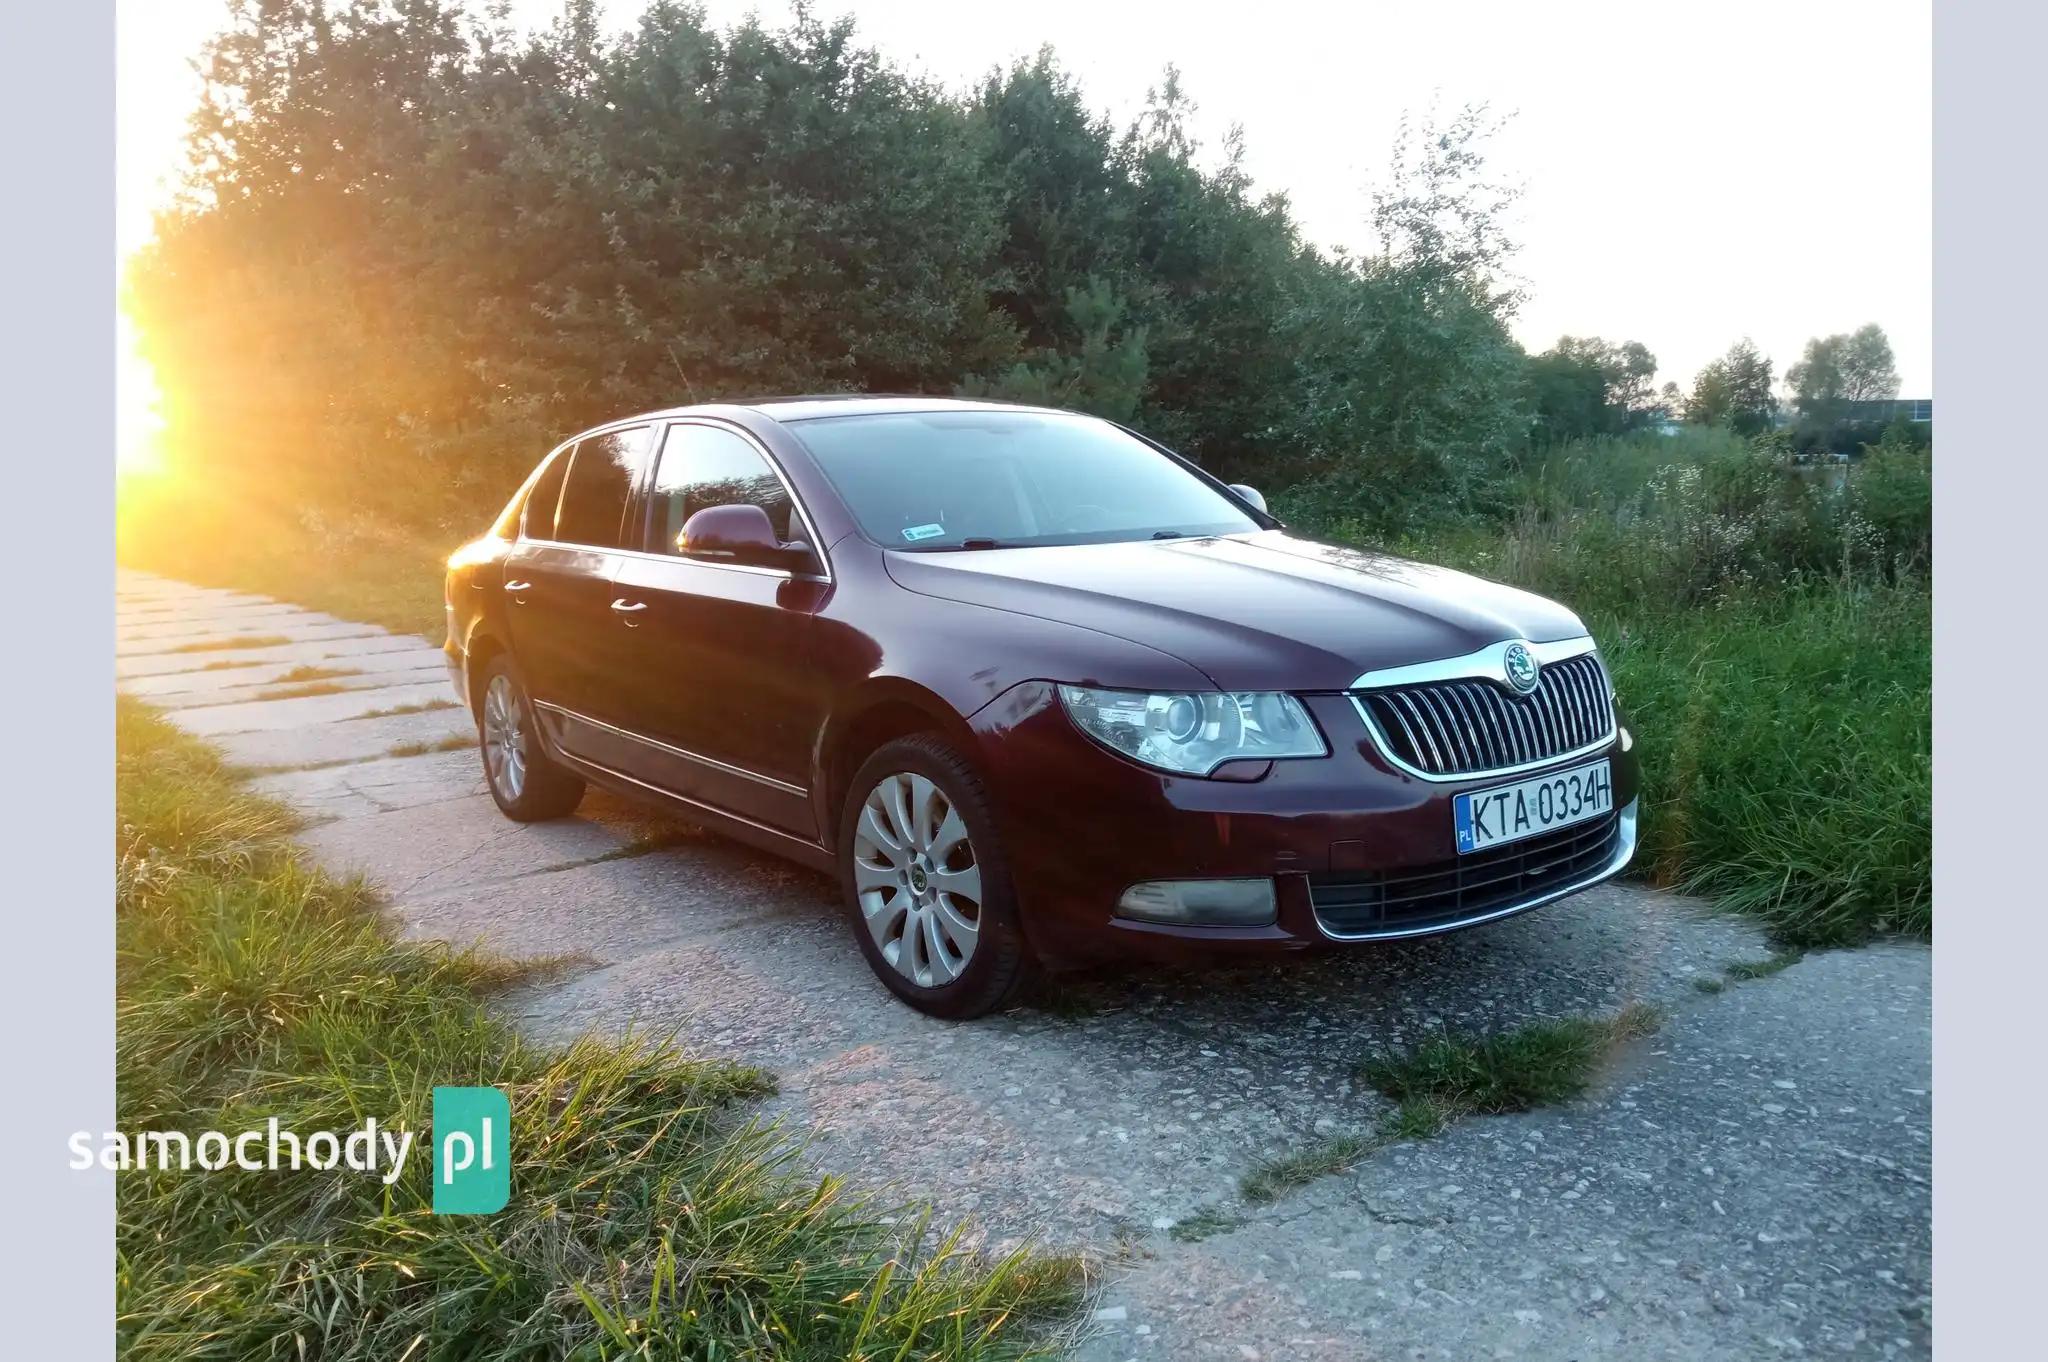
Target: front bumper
[[1082, 825]]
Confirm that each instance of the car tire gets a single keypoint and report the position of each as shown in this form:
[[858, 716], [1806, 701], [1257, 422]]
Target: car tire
[[917, 874], [527, 784]]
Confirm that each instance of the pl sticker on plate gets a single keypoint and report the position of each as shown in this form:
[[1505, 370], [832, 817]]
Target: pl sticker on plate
[[917, 532]]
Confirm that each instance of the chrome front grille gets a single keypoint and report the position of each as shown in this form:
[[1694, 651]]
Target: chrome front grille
[[1466, 726]]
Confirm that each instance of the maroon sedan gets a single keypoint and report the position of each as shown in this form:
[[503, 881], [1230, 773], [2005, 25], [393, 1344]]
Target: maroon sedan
[[1034, 687]]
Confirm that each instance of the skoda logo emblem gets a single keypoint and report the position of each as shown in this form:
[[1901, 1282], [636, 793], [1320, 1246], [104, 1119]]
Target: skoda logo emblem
[[1520, 665]]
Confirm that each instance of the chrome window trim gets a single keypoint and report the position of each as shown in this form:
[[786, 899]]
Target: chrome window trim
[[1624, 852], [1487, 664], [672, 558], [674, 751]]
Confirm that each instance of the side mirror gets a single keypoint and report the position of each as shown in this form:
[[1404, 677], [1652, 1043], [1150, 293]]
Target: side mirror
[[739, 534], [1250, 494]]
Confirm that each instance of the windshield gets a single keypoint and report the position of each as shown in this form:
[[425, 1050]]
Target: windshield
[[927, 481]]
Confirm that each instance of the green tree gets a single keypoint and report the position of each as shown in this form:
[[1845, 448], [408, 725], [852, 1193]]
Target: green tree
[[1410, 394], [1585, 386], [1098, 364], [1734, 391], [1835, 371]]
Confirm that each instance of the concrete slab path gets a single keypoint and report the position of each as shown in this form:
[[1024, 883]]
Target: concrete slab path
[[1752, 1181]]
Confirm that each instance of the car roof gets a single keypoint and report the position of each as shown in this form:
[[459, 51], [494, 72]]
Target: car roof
[[809, 407]]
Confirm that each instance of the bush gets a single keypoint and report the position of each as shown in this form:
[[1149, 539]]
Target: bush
[[1892, 493]]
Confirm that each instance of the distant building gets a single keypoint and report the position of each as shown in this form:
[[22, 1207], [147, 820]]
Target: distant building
[[1884, 410]]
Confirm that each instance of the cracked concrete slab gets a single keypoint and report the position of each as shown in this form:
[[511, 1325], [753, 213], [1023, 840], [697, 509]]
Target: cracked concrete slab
[[145, 634], [431, 849], [130, 665], [350, 740], [349, 706], [1136, 1096], [130, 618], [245, 636], [211, 687], [1753, 1181], [380, 786], [390, 679]]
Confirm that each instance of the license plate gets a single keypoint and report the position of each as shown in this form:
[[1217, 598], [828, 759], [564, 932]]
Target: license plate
[[1508, 813]]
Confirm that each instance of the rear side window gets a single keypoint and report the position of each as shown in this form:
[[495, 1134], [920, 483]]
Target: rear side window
[[539, 510], [708, 466], [599, 487]]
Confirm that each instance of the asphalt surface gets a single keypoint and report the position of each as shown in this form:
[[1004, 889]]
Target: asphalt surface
[[1750, 1181]]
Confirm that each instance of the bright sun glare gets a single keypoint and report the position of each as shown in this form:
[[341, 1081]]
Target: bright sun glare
[[138, 422]]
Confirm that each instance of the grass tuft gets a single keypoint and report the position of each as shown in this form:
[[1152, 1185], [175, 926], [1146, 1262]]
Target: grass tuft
[[418, 748], [423, 707], [211, 645], [1275, 1177], [300, 692], [1203, 1224], [1530, 1066], [309, 672], [650, 1216], [1741, 971]]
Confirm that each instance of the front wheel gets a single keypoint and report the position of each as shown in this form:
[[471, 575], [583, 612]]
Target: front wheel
[[525, 782], [926, 883]]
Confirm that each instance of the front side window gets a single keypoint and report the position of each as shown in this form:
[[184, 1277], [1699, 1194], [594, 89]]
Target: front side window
[[600, 485], [925, 481], [709, 466]]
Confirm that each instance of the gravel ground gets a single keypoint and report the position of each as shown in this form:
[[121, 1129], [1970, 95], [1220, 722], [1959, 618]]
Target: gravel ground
[[1751, 1181]]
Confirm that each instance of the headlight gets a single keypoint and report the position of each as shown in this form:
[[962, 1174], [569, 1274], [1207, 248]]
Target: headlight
[[1196, 732]]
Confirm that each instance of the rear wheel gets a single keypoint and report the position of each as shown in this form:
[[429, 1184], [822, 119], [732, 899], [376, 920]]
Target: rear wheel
[[926, 883], [527, 784]]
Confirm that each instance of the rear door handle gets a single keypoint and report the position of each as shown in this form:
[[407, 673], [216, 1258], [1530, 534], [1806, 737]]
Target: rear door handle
[[626, 610], [514, 590]]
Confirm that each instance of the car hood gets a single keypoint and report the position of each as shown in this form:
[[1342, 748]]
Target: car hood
[[1262, 611]]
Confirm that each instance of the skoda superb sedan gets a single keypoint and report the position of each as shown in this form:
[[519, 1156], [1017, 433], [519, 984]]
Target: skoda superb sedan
[[1036, 689]]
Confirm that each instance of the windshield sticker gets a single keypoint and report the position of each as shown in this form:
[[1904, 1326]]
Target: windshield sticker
[[917, 532]]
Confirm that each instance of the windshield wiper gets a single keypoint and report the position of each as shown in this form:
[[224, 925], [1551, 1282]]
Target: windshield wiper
[[1168, 534], [965, 544]]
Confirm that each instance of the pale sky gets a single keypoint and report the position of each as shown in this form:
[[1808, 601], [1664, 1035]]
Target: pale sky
[[1694, 172]]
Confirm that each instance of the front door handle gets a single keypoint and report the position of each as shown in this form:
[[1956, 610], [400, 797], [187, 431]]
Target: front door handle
[[626, 609]]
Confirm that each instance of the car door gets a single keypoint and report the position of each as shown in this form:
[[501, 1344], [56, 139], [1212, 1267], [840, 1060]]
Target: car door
[[558, 582], [720, 682]]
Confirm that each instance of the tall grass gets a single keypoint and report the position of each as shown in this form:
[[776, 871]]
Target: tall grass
[[649, 1216]]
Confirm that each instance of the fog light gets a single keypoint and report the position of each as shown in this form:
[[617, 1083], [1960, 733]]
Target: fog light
[[1628, 739], [1200, 903]]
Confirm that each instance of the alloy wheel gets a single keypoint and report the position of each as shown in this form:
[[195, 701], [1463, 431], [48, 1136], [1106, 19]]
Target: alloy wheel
[[918, 881], [505, 738]]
